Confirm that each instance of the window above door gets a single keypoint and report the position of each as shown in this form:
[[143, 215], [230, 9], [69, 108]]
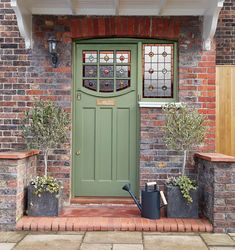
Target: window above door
[[110, 71]]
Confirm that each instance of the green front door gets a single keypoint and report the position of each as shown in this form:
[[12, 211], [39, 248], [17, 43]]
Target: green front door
[[105, 111]]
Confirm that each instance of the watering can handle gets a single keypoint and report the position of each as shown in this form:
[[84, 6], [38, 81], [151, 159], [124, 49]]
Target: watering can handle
[[163, 198], [151, 183]]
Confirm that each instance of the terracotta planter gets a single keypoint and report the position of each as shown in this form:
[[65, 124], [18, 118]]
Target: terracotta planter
[[178, 207], [46, 205]]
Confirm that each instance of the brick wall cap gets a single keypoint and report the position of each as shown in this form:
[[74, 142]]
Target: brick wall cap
[[215, 157], [12, 155]]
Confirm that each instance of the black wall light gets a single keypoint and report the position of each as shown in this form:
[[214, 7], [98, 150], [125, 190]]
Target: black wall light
[[52, 46]]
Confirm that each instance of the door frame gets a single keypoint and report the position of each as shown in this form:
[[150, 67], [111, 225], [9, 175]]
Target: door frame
[[74, 98]]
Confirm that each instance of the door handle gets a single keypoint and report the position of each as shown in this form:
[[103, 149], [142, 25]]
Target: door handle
[[78, 152]]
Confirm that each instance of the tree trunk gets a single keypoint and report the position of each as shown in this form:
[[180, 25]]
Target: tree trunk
[[45, 154], [184, 163]]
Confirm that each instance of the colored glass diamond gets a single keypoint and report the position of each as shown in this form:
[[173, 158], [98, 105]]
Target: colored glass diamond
[[91, 58]]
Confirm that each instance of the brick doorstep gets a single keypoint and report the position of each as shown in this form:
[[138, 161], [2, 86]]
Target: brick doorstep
[[112, 224]]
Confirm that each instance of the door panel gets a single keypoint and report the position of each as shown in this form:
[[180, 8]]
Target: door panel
[[105, 120]]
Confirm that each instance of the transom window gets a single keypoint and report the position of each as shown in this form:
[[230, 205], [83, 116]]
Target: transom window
[[106, 71]]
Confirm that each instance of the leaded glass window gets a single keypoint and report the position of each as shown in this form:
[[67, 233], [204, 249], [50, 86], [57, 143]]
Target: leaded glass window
[[158, 70], [106, 71]]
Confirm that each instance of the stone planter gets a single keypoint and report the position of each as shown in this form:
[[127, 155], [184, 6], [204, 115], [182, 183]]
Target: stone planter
[[46, 205], [178, 207]]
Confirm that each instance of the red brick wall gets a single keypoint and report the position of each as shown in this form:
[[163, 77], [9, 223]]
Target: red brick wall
[[28, 75], [225, 35]]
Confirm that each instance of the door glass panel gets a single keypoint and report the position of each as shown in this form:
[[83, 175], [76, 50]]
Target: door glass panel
[[106, 71], [90, 56], [123, 57], [106, 85], [122, 71], [122, 84], [106, 56], [89, 71], [90, 84]]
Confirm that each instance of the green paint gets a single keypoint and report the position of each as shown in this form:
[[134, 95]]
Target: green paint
[[106, 136]]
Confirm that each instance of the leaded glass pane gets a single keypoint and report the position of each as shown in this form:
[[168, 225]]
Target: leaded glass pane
[[107, 85], [89, 71], [90, 84], [90, 56], [106, 56], [158, 70], [123, 56], [106, 71], [122, 84], [122, 71]]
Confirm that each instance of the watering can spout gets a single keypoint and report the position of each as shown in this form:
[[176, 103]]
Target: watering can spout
[[127, 188]]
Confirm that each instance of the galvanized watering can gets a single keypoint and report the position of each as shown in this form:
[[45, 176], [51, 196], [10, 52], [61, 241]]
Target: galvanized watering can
[[150, 196]]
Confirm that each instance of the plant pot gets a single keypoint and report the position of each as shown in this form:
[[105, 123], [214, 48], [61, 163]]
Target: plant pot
[[47, 204], [178, 207]]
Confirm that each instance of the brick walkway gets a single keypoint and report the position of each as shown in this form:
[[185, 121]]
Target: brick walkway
[[115, 241]]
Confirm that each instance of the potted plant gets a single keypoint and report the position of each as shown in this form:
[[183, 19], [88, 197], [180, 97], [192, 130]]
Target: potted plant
[[44, 127], [182, 132]]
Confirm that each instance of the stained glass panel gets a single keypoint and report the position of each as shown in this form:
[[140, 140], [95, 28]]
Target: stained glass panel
[[106, 71], [90, 84], [107, 85], [123, 71], [123, 56], [90, 56], [158, 70], [122, 84], [89, 71], [106, 56]]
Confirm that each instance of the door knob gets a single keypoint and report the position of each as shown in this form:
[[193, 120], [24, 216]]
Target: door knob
[[78, 152]]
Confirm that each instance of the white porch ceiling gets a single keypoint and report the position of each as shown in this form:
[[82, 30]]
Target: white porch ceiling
[[209, 9]]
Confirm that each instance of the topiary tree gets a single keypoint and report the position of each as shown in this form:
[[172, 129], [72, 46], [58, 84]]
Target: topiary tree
[[44, 127], [183, 129]]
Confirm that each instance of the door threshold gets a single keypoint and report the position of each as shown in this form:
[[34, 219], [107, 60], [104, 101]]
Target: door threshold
[[101, 200]]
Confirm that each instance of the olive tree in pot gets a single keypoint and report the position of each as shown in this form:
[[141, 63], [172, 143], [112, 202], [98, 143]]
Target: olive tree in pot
[[183, 131], [44, 127]]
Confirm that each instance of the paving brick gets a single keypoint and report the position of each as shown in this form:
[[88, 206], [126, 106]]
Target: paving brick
[[7, 246], [176, 242], [113, 237], [218, 240]]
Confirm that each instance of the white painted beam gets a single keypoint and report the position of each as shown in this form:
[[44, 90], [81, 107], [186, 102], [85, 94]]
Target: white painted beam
[[24, 20], [116, 7], [162, 5], [72, 6], [210, 22]]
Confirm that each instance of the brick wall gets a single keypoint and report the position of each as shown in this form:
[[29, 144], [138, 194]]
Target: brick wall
[[225, 35], [27, 76], [217, 190], [16, 170]]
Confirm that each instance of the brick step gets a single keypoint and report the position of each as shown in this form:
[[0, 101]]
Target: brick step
[[102, 200], [111, 224]]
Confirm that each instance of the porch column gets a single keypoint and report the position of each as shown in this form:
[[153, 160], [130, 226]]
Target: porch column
[[16, 170], [216, 181]]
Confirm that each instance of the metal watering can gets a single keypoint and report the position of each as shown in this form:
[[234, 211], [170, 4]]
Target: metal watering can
[[150, 207]]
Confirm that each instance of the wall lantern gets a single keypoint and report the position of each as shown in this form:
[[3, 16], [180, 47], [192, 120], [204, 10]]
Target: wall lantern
[[52, 46]]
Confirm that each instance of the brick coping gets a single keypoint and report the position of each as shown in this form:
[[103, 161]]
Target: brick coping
[[215, 157], [13, 155]]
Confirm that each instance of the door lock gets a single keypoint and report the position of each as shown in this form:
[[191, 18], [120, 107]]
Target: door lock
[[78, 152]]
